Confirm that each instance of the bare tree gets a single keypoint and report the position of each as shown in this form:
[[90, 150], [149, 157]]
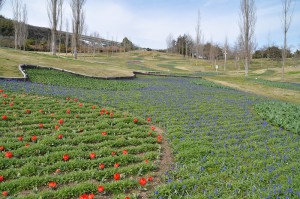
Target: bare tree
[[169, 43], [60, 22], [286, 23], [20, 20], [77, 9], [225, 52], [198, 35], [23, 28], [67, 36], [1, 3], [54, 12], [247, 26]]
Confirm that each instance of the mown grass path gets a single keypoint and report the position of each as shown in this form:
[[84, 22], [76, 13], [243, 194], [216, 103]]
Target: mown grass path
[[222, 148]]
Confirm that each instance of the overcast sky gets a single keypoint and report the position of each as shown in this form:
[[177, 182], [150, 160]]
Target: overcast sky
[[147, 23]]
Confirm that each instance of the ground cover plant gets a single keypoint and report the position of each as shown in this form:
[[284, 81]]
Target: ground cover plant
[[276, 84], [222, 148], [55, 77], [65, 148], [281, 114]]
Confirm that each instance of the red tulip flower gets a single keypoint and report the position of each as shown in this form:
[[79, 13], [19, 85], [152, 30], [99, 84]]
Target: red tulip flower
[[125, 152], [1, 148], [148, 119], [127, 197], [8, 154], [1, 90], [52, 185], [66, 157], [146, 161], [68, 111], [100, 189], [60, 121], [75, 99], [20, 138], [5, 193], [153, 128], [4, 102], [135, 120], [4, 95], [92, 155], [41, 125], [159, 138], [84, 196], [143, 181], [11, 104], [28, 111], [34, 138], [116, 165], [57, 171], [102, 166], [80, 104], [150, 178], [27, 145], [41, 110], [103, 133], [1, 178], [117, 176], [60, 136], [56, 127], [113, 153], [93, 107], [91, 196], [4, 117]]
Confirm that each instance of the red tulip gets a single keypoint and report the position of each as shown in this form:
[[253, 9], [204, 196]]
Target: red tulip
[[148, 119], [143, 181], [75, 99], [57, 171], [68, 111], [113, 153], [1, 178], [1, 148], [80, 104], [93, 107], [84, 196], [8, 154], [76, 116], [150, 178], [91, 196], [34, 138], [11, 104], [27, 145], [41, 110], [20, 138], [5, 193], [111, 114], [159, 138], [125, 152], [116, 165], [153, 128], [4, 95], [41, 125], [100, 189], [135, 120], [117, 176], [28, 111], [52, 184], [146, 161], [1, 90], [67, 98], [127, 197], [4, 117], [60, 136], [102, 166], [4, 102], [56, 127], [103, 133], [60, 121], [92, 155], [149, 133], [66, 157]]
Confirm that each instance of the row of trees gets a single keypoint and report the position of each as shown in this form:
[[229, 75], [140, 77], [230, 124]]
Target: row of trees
[[244, 46]]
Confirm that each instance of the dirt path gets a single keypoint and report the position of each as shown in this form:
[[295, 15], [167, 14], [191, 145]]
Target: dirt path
[[164, 163]]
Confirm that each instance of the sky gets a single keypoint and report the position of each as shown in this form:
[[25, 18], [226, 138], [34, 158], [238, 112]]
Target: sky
[[147, 23]]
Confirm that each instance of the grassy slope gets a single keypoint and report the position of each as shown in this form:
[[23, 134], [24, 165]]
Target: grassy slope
[[122, 64]]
